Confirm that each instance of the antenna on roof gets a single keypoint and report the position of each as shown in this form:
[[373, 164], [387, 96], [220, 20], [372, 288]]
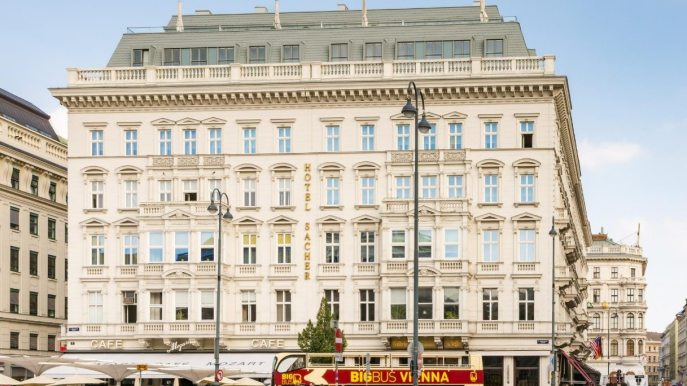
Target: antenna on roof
[[180, 21], [483, 17], [639, 227], [364, 13], [277, 22]]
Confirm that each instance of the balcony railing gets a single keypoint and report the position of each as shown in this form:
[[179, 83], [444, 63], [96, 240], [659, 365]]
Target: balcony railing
[[271, 72]]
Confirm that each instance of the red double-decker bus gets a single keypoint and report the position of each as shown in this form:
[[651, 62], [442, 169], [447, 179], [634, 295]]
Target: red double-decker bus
[[376, 368]]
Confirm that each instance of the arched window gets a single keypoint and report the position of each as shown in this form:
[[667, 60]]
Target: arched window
[[640, 321], [596, 321], [640, 347], [630, 321], [630, 349], [614, 348]]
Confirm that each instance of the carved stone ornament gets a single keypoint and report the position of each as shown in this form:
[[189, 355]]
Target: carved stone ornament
[[187, 161], [404, 156], [163, 161], [429, 156], [213, 161], [455, 155]]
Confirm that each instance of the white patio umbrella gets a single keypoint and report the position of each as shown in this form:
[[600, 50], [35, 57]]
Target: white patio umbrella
[[37, 381], [36, 365], [248, 382], [5, 380], [78, 380], [193, 374], [223, 381]]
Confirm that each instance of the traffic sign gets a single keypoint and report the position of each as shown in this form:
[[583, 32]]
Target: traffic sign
[[219, 375], [338, 340]]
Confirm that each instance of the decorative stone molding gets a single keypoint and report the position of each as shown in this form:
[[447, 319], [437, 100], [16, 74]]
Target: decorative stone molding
[[187, 161], [402, 156], [213, 160], [429, 156], [454, 155], [163, 161]]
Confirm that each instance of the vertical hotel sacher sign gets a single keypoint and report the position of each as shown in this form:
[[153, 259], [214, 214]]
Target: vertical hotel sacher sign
[[306, 244]]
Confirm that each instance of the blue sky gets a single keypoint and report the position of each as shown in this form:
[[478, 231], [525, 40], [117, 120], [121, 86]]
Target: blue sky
[[626, 61]]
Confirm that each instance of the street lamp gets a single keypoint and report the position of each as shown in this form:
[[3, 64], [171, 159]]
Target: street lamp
[[217, 208], [410, 111], [553, 234], [604, 305]]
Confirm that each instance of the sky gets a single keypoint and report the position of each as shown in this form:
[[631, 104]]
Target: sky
[[626, 61]]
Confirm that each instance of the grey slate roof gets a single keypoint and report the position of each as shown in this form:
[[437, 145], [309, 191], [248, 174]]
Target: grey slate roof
[[26, 114], [315, 31]]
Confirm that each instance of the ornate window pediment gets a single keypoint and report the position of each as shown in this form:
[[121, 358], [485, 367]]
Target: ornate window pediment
[[188, 122], [163, 122], [455, 115], [94, 222], [213, 121]]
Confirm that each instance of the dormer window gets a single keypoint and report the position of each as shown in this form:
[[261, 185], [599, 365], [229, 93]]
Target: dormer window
[[140, 57], [339, 52], [172, 57], [291, 53], [373, 51], [256, 54], [493, 48], [199, 56]]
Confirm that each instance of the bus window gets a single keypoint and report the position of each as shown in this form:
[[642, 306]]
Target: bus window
[[291, 363]]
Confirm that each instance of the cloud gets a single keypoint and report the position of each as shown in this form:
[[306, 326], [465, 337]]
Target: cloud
[[58, 120], [597, 155]]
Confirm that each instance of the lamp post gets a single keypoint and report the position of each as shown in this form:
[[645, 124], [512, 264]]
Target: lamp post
[[604, 305], [410, 111], [217, 208], [553, 234]]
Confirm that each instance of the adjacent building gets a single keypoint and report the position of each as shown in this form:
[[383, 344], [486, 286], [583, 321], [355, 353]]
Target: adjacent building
[[297, 117], [652, 363], [33, 230], [669, 353]]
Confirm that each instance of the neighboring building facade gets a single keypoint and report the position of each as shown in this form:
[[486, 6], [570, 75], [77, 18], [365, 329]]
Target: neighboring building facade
[[653, 349], [33, 245], [300, 125], [617, 306], [669, 352], [681, 363]]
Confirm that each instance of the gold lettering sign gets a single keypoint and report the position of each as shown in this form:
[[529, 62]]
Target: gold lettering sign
[[306, 252], [308, 197]]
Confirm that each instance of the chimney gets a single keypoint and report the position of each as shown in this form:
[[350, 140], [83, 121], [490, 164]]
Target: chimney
[[260, 9], [180, 20], [277, 21], [364, 13], [341, 7]]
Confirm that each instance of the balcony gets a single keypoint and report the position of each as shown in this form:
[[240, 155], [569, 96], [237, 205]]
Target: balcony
[[366, 269], [405, 327], [281, 72], [526, 269], [157, 209], [615, 250], [490, 269], [191, 161], [451, 205], [179, 268], [514, 327]]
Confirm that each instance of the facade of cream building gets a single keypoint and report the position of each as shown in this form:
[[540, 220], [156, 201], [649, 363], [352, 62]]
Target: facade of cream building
[[653, 349], [300, 125], [33, 206]]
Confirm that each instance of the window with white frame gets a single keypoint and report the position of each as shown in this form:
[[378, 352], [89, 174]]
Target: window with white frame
[[614, 321], [398, 244], [332, 247], [95, 307], [332, 297], [630, 295], [290, 53], [333, 191], [97, 143], [526, 304], [596, 295], [596, 322], [526, 188], [283, 248], [131, 142], [181, 245], [398, 304], [214, 183], [248, 306], [333, 138], [130, 194], [425, 244], [207, 305], [215, 137], [165, 188], [429, 187], [490, 245], [630, 321], [491, 130], [97, 194], [97, 249], [451, 244], [614, 272], [249, 191], [249, 144], [155, 306], [403, 136], [367, 305], [367, 247], [130, 249], [429, 140], [402, 190], [339, 52], [614, 295], [640, 295], [455, 135], [526, 244], [367, 137], [491, 188], [455, 186], [425, 304], [367, 190], [527, 134], [373, 51], [190, 190], [190, 142], [451, 303], [284, 139], [207, 246], [284, 189], [493, 48], [156, 247], [283, 306], [165, 136], [250, 248], [490, 304], [181, 305], [640, 321]]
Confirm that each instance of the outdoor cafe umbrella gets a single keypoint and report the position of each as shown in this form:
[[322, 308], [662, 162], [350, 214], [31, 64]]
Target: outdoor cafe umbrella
[[248, 382], [193, 374], [37, 381], [78, 380], [223, 381], [36, 365], [5, 380]]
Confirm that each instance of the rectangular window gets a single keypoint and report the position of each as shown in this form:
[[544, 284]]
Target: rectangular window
[[333, 138], [155, 306], [367, 247], [156, 250], [97, 194], [165, 190], [429, 187], [284, 138], [33, 342], [131, 142], [52, 192], [199, 56], [129, 303], [527, 188], [332, 297], [491, 135], [596, 295], [614, 272], [33, 303], [398, 244], [14, 340], [527, 133], [455, 186], [490, 304], [215, 136], [165, 141], [249, 140], [640, 295], [367, 305], [190, 142], [455, 135], [451, 244], [434, 50], [190, 190], [131, 194], [633, 272], [425, 305], [494, 48], [367, 194], [214, 183], [52, 229], [207, 305], [248, 306], [250, 248], [333, 190], [429, 140], [461, 49], [14, 259], [249, 191], [373, 51], [33, 263], [207, 246], [172, 57], [130, 249], [402, 187], [339, 52], [14, 300], [51, 343], [631, 295], [332, 247], [33, 222], [398, 304], [225, 55], [526, 244], [406, 50], [95, 307], [526, 304], [291, 53], [97, 249], [256, 54], [283, 306], [140, 57], [368, 137], [614, 295], [283, 248], [597, 273], [14, 218], [451, 303], [52, 261], [51, 306], [180, 305], [97, 143], [14, 180], [181, 244], [34, 185], [490, 245], [403, 137], [491, 188], [425, 243]]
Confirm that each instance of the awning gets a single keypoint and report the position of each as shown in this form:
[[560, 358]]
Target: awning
[[577, 365]]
